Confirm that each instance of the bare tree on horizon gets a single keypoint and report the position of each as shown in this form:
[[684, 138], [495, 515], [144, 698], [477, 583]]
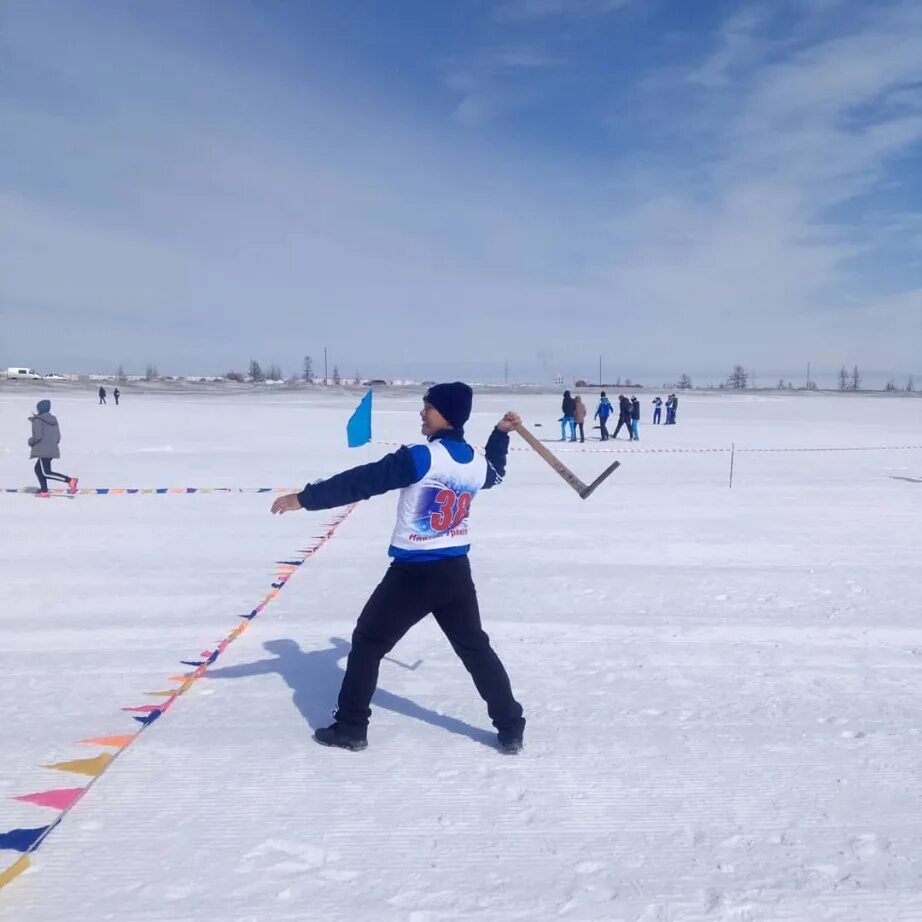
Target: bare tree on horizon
[[738, 378]]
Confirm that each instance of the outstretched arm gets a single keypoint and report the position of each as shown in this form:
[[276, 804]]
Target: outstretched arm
[[393, 472]]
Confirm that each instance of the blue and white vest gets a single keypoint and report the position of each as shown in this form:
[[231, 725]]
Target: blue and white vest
[[432, 514]]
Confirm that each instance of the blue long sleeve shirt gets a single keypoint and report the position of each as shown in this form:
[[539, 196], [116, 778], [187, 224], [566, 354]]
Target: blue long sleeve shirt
[[400, 469]]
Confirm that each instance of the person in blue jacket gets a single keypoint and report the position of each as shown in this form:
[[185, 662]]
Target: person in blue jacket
[[657, 410], [430, 571], [603, 411]]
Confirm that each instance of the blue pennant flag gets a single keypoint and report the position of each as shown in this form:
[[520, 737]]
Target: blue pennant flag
[[147, 718], [21, 840], [358, 429]]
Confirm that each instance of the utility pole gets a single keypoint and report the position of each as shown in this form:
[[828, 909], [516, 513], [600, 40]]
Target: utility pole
[[325, 375], [808, 376], [506, 372], [600, 371]]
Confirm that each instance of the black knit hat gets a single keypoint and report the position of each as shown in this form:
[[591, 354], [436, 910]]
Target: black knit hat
[[452, 400]]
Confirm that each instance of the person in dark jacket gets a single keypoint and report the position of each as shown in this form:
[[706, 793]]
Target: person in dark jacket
[[102, 395], [430, 572], [675, 407], [44, 443], [624, 416], [568, 407], [116, 394], [603, 411], [635, 419]]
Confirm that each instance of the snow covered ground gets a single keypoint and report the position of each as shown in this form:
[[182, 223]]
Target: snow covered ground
[[723, 687]]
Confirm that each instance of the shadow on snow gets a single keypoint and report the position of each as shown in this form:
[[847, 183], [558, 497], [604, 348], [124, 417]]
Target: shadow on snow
[[314, 678]]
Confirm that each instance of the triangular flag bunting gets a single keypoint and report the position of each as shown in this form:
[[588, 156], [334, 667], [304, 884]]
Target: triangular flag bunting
[[21, 840], [60, 799], [119, 741], [14, 870], [93, 767], [147, 718]]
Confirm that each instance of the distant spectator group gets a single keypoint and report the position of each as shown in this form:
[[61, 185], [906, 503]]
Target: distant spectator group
[[574, 415], [102, 395]]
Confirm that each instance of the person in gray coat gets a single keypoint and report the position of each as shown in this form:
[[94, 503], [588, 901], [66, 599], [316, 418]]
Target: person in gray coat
[[46, 437]]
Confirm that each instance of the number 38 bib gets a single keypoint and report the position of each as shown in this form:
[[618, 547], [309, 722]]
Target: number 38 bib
[[432, 514]]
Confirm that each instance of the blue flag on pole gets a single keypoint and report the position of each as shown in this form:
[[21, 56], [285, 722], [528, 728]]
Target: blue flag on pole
[[358, 429]]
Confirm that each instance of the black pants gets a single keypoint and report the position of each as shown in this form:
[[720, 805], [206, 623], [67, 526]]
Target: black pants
[[604, 427], [409, 592], [622, 422], [44, 473], [582, 434]]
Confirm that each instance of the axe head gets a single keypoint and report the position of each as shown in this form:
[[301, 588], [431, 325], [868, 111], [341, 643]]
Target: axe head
[[588, 491]]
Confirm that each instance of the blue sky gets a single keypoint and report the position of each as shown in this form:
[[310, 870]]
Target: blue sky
[[430, 189]]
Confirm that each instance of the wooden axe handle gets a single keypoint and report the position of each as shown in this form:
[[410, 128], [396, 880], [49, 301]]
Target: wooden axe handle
[[553, 461]]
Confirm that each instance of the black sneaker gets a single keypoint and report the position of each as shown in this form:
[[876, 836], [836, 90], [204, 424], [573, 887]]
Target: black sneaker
[[334, 736], [511, 745]]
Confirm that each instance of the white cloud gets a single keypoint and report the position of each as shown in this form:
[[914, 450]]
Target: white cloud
[[198, 213]]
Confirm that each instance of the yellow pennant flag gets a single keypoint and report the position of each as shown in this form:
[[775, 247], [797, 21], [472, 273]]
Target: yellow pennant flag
[[93, 767], [14, 870]]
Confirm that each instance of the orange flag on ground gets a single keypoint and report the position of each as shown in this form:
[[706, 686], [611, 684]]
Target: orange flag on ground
[[119, 741]]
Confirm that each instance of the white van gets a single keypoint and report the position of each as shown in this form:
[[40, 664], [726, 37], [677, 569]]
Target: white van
[[29, 373]]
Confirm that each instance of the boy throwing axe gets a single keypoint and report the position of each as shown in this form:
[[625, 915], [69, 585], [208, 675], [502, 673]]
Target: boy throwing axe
[[430, 572]]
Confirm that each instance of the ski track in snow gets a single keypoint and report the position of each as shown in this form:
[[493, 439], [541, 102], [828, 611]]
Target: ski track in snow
[[722, 686]]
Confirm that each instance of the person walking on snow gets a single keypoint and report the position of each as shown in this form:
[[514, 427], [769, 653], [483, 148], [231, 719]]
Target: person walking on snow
[[657, 410], [102, 395], [44, 442], [624, 416], [603, 411], [430, 571], [579, 416], [116, 394], [568, 406], [635, 419]]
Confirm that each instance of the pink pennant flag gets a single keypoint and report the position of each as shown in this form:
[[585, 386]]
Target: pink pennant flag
[[145, 708], [60, 799]]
